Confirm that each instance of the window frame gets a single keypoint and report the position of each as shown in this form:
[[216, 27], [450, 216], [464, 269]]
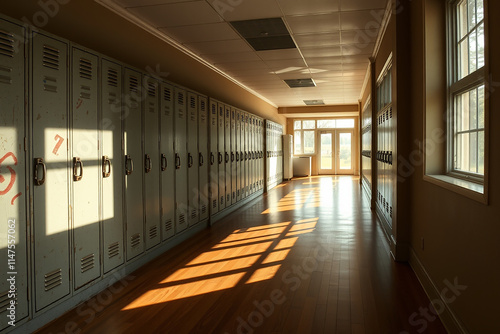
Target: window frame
[[302, 137]]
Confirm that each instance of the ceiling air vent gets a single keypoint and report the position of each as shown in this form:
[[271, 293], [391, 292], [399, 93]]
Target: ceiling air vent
[[314, 102], [265, 34], [300, 83]]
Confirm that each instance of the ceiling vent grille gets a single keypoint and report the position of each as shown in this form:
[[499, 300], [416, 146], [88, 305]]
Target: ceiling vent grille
[[300, 83], [314, 102], [265, 34]]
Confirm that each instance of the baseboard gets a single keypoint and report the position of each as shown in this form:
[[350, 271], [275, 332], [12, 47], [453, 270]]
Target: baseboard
[[448, 317]]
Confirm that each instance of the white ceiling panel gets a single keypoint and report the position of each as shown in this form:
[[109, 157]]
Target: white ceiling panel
[[310, 24], [237, 10], [286, 65], [363, 19], [315, 40], [232, 57], [330, 51], [279, 54], [216, 47], [358, 36], [300, 7], [357, 49], [346, 5], [244, 65], [202, 32]]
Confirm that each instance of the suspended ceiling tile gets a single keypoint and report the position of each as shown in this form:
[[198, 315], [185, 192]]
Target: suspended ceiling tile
[[300, 7], [216, 47], [294, 75], [317, 62], [358, 36], [178, 14], [245, 65], [247, 72], [279, 54], [357, 49], [325, 68], [327, 74], [359, 20], [330, 51], [346, 5], [286, 65], [232, 57], [237, 10], [356, 59], [201, 32], [315, 40], [354, 73], [355, 66], [310, 24], [141, 3]]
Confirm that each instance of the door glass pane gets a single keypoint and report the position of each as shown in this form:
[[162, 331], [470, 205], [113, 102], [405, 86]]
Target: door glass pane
[[345, 151], [326, 151], [308, 142]]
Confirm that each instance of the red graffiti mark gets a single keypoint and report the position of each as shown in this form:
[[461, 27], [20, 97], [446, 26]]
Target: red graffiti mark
[[58, 145], [79, 103], [12, 173], [14, 198]]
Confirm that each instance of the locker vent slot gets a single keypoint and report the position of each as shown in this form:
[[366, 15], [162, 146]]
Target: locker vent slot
[[87, 263], [167, 94], [50, 57], [180, 99], [133, 84], [85, 69], [112, 77], [5, 301], [182, 219], [204, 209], [151, 89], [6, 44], [50, 84], [111, 98], [113, 250], [390, 210], [152, 107], [214, 204], [153, 232], [194, 214], [135, 240], [203, 105], [6, 79], [53, 279], [168, 225], [193, 102], [85, 93]]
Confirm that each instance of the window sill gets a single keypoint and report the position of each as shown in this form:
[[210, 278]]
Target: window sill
[[466, 188]]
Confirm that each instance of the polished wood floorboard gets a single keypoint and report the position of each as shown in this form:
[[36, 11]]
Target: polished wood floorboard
[[308, 257]]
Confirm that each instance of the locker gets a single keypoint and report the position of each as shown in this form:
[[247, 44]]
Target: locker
[[203, 163], [238, 150], [261, 154], [214, 159], [252, 149], [50, 169], [234, 167], [112, 162], [247, 155], [86, 165], [193, 158], [13, 168], [242, 155], [227, 153], [181, 160], [167, 158], [132, 120], [151, 162], [221, 181]]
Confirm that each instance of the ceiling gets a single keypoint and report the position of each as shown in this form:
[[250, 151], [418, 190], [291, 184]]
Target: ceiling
[[334, 40]]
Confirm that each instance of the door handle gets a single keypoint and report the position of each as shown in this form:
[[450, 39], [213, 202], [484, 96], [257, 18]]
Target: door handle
[[220, 158], [77, 169], [39, 162], [106, 166], [200, 159], [164, 162], [128, 160], [147, 163], [190, 160], [212, 158], [177, 161]]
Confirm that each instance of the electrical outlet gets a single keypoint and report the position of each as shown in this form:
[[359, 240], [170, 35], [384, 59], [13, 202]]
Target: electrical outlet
[[422, 243]]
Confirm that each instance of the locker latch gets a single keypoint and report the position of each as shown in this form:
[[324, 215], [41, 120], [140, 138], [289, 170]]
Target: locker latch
[[106, 166], [177, 161], [77, 169], [201, 162], [39, 162], [190, 160], [147, 163], [128, 162], [164, 162]]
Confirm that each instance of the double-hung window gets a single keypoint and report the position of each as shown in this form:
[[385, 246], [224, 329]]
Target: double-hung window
[[304, 135]]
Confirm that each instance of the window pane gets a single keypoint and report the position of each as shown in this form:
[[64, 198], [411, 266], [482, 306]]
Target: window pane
[[471, 20], [462, 151], [308, 124], [480, 10], [345, 123], [463, 59], [480, 107], [473, 51], [308, 142], [326, 123], [462, 19], [480, 46], [480, 152], [326, 151], [345, 151], [473, 109], [473, 152], [297, 125], [297, 142]]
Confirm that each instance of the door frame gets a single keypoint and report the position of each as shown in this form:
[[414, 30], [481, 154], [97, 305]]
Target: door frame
[[335, 152]]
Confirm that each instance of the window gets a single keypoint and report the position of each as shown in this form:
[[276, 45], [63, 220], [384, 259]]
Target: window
[[466, 91], [304, 136], [341, 123]]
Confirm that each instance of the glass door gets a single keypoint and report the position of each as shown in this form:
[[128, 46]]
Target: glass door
[[344, 152], [326, 156]]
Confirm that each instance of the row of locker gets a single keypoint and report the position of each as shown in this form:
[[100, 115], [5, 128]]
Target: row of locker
[[366, 146], [121, 163], [274, 154]]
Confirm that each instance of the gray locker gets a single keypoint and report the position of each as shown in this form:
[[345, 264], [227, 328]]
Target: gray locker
[[234, 166], [132, 120], [112, 162], [50, 169], [227, 153], [222, 166], [238, 155], [252, 154], [203, 157], [13, 164], [193, 158], [214, 158], [85, 166], [167, 158], [151, 162], [247, 155], [181, 160]]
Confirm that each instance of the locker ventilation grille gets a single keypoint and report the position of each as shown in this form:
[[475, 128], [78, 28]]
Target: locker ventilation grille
[[203, 209], [50, 57], [182, 219], [192, 102], [153, 232], [6, 79], [203, 105], [168, 225], [135, 240], [151, 89], [194, 214], [167, 94], [133, 84], [53, 279], [112, 77], [85, 69], [180, 99], [214, 204], [87, 263], [6, 44], [5, 301], [113, 250]]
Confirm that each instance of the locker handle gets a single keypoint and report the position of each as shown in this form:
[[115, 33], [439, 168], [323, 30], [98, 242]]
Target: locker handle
[[147, 163], [220, 158], [237, 156], [200, 159], [164, 162], [39, 162], [227, 157], [77, 169], [390, 158], [212, 158], [177, 161], [127, 160], [106, 166], [190, 160], [232, 156]]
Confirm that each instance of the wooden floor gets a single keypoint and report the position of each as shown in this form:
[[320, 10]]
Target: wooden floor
[[308, 257]]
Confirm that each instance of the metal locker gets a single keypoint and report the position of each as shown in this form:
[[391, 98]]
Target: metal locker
[[50, 169], [247, 155], [132, 120], [167, 159], [203, 157], [181, 160], [86, 163], [238, 150], [13, 243], [253, 146], [193, 158], [261, 154], [214, 154], [221, 181], [112, 162], [242, 155], [151, 161], [234, 167], [227, 153]]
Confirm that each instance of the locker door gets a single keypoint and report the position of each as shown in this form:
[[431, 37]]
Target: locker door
[[151, 162], [134, 214], [112, 162], [167, 157], [193, 158], [261, 154], [227, 153], [86, 163], [13, 170], [51, 169], [221, 181], [247, 155], [214, 154], [234, 168], [203, 157], [238, 161], [252, 148], [242, 155], [181, 160]]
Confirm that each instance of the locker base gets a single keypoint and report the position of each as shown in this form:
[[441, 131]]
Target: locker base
[[221, 214]]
